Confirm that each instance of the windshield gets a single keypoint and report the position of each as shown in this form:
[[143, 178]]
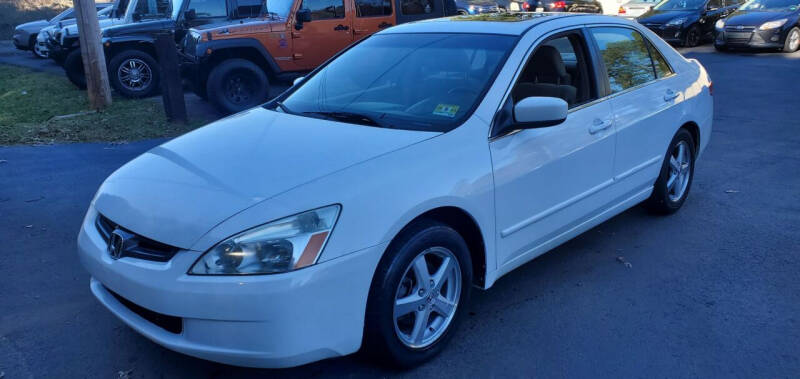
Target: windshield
[[154, 9], [280, 8], [679, 4], [63, 15], [425, 82], [771, 5]]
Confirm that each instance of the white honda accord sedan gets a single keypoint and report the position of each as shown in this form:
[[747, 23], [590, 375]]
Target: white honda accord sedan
[[360, 207]]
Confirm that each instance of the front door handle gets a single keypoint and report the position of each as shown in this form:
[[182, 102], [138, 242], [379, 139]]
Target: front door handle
[[384, 25], [599, 125], [671, 95], [341, 27]]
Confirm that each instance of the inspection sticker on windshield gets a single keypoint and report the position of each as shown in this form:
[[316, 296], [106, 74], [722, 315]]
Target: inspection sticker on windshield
[[446, 110]]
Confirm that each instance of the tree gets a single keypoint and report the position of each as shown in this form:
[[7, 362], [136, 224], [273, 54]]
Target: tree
[[94, 60]]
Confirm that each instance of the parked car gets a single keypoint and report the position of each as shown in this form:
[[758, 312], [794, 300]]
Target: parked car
[[24, 35], [477, 6], [129, 46], [687, 22], [361, 206], [579, 6], [232, 64], [636, 8], [771, 24], [41, 49], [67, 34]]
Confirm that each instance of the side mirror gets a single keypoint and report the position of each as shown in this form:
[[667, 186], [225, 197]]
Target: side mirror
[[190, 15], [302, 15], [539, 112], [298, 80]]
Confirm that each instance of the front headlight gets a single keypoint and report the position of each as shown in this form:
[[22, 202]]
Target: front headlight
[[720, 24], [677, 21], [284, 245], [773, 24]]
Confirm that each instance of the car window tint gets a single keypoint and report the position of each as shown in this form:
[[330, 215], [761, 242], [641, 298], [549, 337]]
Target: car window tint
[[626, 57], [659, 63], [559, 67], [208, 8], [249, 8], [416, 6], [370, 8], [324, 9]]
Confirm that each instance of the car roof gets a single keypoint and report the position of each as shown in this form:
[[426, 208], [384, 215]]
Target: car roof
[[497, 23]]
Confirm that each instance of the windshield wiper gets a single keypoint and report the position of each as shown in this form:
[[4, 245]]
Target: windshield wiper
[[284, 108], [352, 117]]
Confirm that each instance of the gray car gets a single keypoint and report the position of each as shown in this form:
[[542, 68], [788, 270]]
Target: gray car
[[25, 34]]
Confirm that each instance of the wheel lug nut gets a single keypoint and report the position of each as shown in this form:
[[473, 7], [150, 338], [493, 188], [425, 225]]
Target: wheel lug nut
[[421, 307], [421, 291], [432, 283]]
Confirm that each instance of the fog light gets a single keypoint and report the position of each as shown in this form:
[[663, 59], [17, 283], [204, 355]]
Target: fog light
[[775, 38], [677, 34]]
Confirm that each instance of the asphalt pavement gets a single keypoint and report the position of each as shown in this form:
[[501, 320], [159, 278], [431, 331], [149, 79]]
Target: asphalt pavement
[[711, 291]]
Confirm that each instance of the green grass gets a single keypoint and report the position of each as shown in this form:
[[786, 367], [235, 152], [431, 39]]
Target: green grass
[[30, 100]]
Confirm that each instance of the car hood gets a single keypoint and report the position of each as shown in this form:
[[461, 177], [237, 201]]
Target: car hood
[[33, 25], [663, 17], [138, 27], [177, 192], [754, 18]]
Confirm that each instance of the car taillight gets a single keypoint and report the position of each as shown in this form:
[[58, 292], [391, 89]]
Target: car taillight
[[711, 88], [621, 10], [525, 5], [559, 4]]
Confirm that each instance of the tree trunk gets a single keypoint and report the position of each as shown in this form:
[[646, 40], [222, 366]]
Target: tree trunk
[[94, 60]]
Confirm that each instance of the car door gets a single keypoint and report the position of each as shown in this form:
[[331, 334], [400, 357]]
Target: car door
[[644, 93], [372, 16], [328, 32], [550, 180], [714, 10], [415, 10]]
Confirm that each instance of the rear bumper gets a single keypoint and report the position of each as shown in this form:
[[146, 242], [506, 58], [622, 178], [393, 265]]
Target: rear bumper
[[279, 320]]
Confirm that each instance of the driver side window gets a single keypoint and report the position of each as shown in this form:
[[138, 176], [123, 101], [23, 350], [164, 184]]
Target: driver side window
[[559, 67], [714, 4]]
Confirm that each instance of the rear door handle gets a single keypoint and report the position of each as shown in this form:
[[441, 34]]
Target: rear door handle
[[599, 125], [671, 95], [341, 27]]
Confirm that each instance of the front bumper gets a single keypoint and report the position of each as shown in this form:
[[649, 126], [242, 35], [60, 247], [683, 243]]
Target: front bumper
[[749, 38], [21, 40], [274, 321]]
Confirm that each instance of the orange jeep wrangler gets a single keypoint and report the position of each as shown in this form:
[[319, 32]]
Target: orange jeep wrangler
[[231, 64]]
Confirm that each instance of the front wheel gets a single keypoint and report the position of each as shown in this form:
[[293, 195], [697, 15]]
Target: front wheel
[[37, 50], [237, 84], [134, 74], [792, 41], [693, 37], [677, 172], [418, 294], [73, 67]]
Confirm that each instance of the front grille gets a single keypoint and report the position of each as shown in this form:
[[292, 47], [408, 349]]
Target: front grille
[[139, 247], [171, 324]]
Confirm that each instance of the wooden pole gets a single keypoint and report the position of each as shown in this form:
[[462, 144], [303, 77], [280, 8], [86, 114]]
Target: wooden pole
[[94, 60], [171, 86]]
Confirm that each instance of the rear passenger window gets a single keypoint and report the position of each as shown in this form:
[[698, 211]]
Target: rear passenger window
[[659, 63], [411, 7], [371, 8], [324, 9], [626, 57]]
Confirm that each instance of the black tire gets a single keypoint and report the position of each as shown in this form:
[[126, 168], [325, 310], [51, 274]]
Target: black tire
[[147, 67], [720, 48], [73, 66], [787, 45], [380, 339], [693, 37], [237, 84], [660, 200]]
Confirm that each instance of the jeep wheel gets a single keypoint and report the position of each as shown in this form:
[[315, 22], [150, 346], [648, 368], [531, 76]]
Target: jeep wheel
[[73, 66], [134, 73], [237, 84]]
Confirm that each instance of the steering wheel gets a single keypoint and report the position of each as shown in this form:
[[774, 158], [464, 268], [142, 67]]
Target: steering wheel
[[455, 90]]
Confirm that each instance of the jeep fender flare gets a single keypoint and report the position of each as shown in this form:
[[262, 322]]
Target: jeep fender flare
[[238, 43]]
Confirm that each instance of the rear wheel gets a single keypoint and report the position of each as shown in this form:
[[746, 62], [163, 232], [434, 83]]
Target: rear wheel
[[418, 294], [73, 66], [792, 41], [134, 73], [237, 84], [677, 172], [37, 52]]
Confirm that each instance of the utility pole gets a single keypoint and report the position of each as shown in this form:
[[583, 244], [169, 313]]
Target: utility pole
[[94, 60]]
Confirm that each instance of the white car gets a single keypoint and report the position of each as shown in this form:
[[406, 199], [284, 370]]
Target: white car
[[362, 205], [636, 8]]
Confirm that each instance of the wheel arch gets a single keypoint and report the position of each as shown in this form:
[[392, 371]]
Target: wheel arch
[[143, 46], [694, 130], [465, 225]]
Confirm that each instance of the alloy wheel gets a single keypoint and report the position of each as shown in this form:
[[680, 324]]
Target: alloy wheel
[[794, 40], [693, 38], [680, 170], [134, 74], [427, 297]]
